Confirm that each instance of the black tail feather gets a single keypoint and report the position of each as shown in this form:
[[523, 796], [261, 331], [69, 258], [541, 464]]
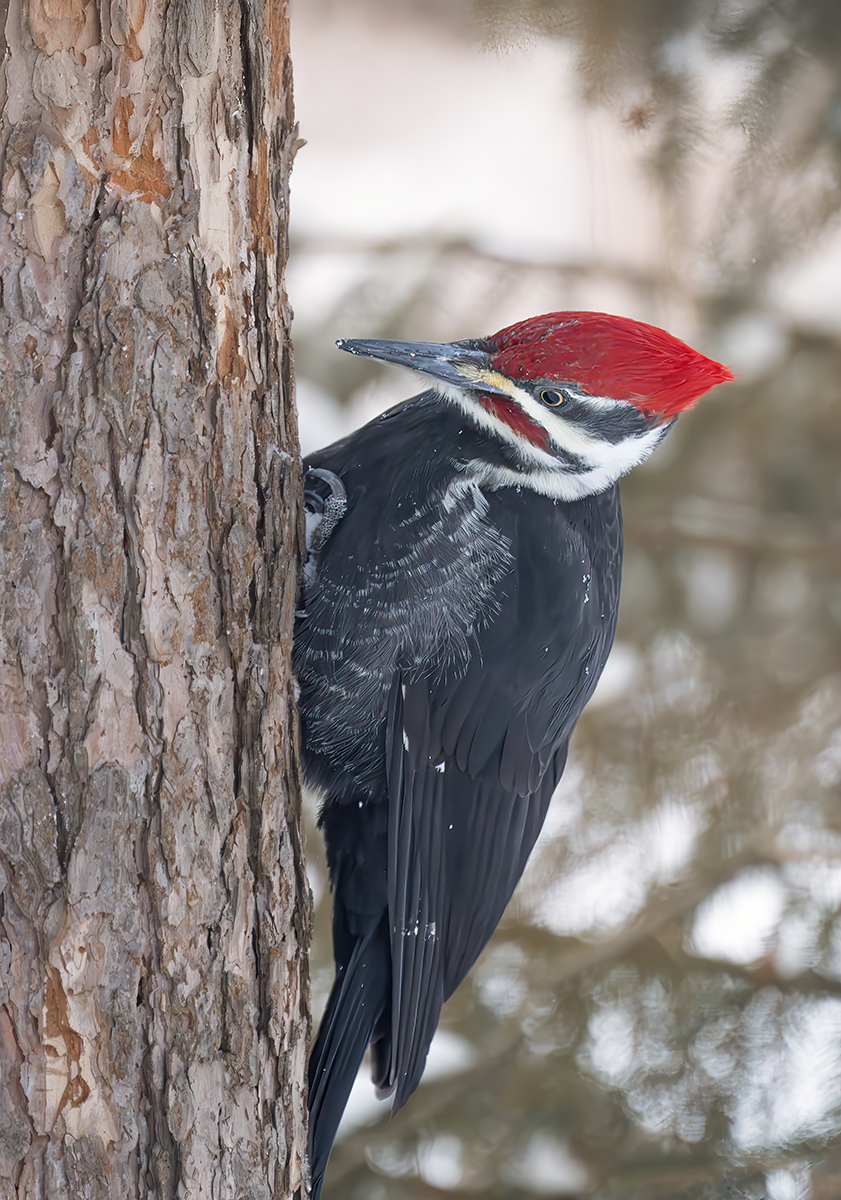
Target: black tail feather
[[356, 1004]]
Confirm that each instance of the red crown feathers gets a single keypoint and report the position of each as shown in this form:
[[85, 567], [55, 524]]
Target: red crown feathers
[[608, 356]]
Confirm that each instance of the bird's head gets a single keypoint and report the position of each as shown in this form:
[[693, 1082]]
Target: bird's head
[[576, 398]]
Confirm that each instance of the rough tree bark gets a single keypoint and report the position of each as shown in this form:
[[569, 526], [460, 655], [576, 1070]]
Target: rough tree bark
[[154, 912]]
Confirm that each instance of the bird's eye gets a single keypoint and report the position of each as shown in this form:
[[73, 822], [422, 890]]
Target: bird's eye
[[552, 397]]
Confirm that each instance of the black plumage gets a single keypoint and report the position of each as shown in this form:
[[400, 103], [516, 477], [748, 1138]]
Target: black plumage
[[449, 638]]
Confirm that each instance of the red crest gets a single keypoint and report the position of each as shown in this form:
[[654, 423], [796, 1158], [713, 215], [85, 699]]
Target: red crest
[[608, 356]]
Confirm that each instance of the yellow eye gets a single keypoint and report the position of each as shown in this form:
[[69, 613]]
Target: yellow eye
[[552, 398]]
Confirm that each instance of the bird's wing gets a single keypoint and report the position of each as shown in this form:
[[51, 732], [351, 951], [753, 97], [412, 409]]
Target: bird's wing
[[456, 852], [473, 757]]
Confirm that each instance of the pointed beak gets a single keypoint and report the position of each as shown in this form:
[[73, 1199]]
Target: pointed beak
[[453, 363]]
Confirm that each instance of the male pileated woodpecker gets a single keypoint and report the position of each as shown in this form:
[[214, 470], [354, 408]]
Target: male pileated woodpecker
[[458, 605]]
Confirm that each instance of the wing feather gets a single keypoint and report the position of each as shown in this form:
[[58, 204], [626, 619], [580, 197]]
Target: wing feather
[[473, 756], [416, 899]]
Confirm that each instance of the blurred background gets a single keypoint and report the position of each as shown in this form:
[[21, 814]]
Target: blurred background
[[659, 1014]]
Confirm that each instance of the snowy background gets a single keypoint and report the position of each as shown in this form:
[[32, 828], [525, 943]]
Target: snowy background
[[660, 1012]]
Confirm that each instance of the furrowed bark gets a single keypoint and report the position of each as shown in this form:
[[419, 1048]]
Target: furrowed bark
[[154, 911]]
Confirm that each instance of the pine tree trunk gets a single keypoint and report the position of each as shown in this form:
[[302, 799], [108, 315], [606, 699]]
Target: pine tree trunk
[[154, 911]]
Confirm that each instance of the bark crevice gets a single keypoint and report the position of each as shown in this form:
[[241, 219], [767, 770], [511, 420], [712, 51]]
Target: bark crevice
[[151, 902]]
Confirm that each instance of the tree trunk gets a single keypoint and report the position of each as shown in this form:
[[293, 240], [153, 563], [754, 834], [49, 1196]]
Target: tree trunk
[[154, 911]]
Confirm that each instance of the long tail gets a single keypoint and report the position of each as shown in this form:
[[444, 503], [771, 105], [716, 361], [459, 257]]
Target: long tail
[[357, 1001]]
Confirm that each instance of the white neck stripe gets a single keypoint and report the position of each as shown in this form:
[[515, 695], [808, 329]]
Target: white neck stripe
[[541, 470]]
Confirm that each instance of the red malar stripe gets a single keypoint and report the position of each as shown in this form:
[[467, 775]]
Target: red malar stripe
[[515, 418]]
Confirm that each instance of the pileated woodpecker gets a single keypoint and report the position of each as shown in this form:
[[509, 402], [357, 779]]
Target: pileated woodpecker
[[459, 602]]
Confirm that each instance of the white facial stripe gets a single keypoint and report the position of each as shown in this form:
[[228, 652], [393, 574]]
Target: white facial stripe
[[567, 434], [493, 425], [564, 485], [542, 471]]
